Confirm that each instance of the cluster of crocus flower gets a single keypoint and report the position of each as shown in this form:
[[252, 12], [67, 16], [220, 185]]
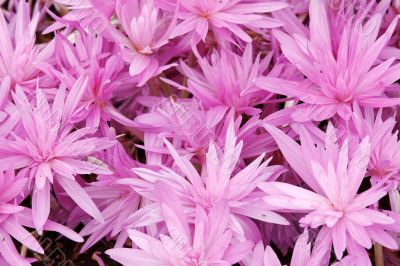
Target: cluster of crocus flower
[[201, 132]]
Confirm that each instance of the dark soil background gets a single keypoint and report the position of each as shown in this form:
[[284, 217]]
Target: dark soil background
[[60, 251]]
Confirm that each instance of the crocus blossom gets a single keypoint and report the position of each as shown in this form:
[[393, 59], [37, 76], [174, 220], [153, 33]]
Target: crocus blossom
[[200, 132], [224, 18], [226, 81], [209, 244], [51, 153], [334, 202], [14, 218], [144, 34], [336, 75], [19, 55], [217, 182]]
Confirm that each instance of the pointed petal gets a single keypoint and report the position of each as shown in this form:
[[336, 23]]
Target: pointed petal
[[270, 258], [22, 235], [128, 257], [41, 206], [80, 196]]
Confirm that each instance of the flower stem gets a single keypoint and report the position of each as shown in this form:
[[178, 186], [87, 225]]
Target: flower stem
[[378, 250]]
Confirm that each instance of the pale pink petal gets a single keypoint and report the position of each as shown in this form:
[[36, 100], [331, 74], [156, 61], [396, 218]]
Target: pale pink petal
[[22, 235], [128, 257], [382, 237], [41, 206], [80, 196], [139, 64], [270, 258], [237, 252]]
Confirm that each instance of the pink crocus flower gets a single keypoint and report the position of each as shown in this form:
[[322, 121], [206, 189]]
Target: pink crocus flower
[[190, 127], [155, 130], [385, 156], [336, 75], [89, 55], [121, 207], [144, 33], [227, 80], [210, 242], [96, 102], [52, 153], [13, 219], [384, 160], [333, 204], [220, 180], [19, 55], [223, 18]]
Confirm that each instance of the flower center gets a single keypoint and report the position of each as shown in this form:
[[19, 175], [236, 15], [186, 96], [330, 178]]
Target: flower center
[[194, 258]]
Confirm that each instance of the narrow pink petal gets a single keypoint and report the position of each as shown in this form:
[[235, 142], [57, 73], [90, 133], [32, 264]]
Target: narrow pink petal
[[6, 48], [139, 64], [172, 212], [80, 196], [261, 214], [373, 52], [358, 167], [13, 190], [261, 7], [22, 235], [339, 238], [319, 25], [74, 97], [184, 27], [148, 243], [129, 257], [292, 152], [258, 255], [302, 250], [9, 252], [119, 117], [41, 206], [382, 237], [10, 208], [321, 252], [239, 32], [359, 234], [63, 230], [184, 165], [237, 252], [270, 258]]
